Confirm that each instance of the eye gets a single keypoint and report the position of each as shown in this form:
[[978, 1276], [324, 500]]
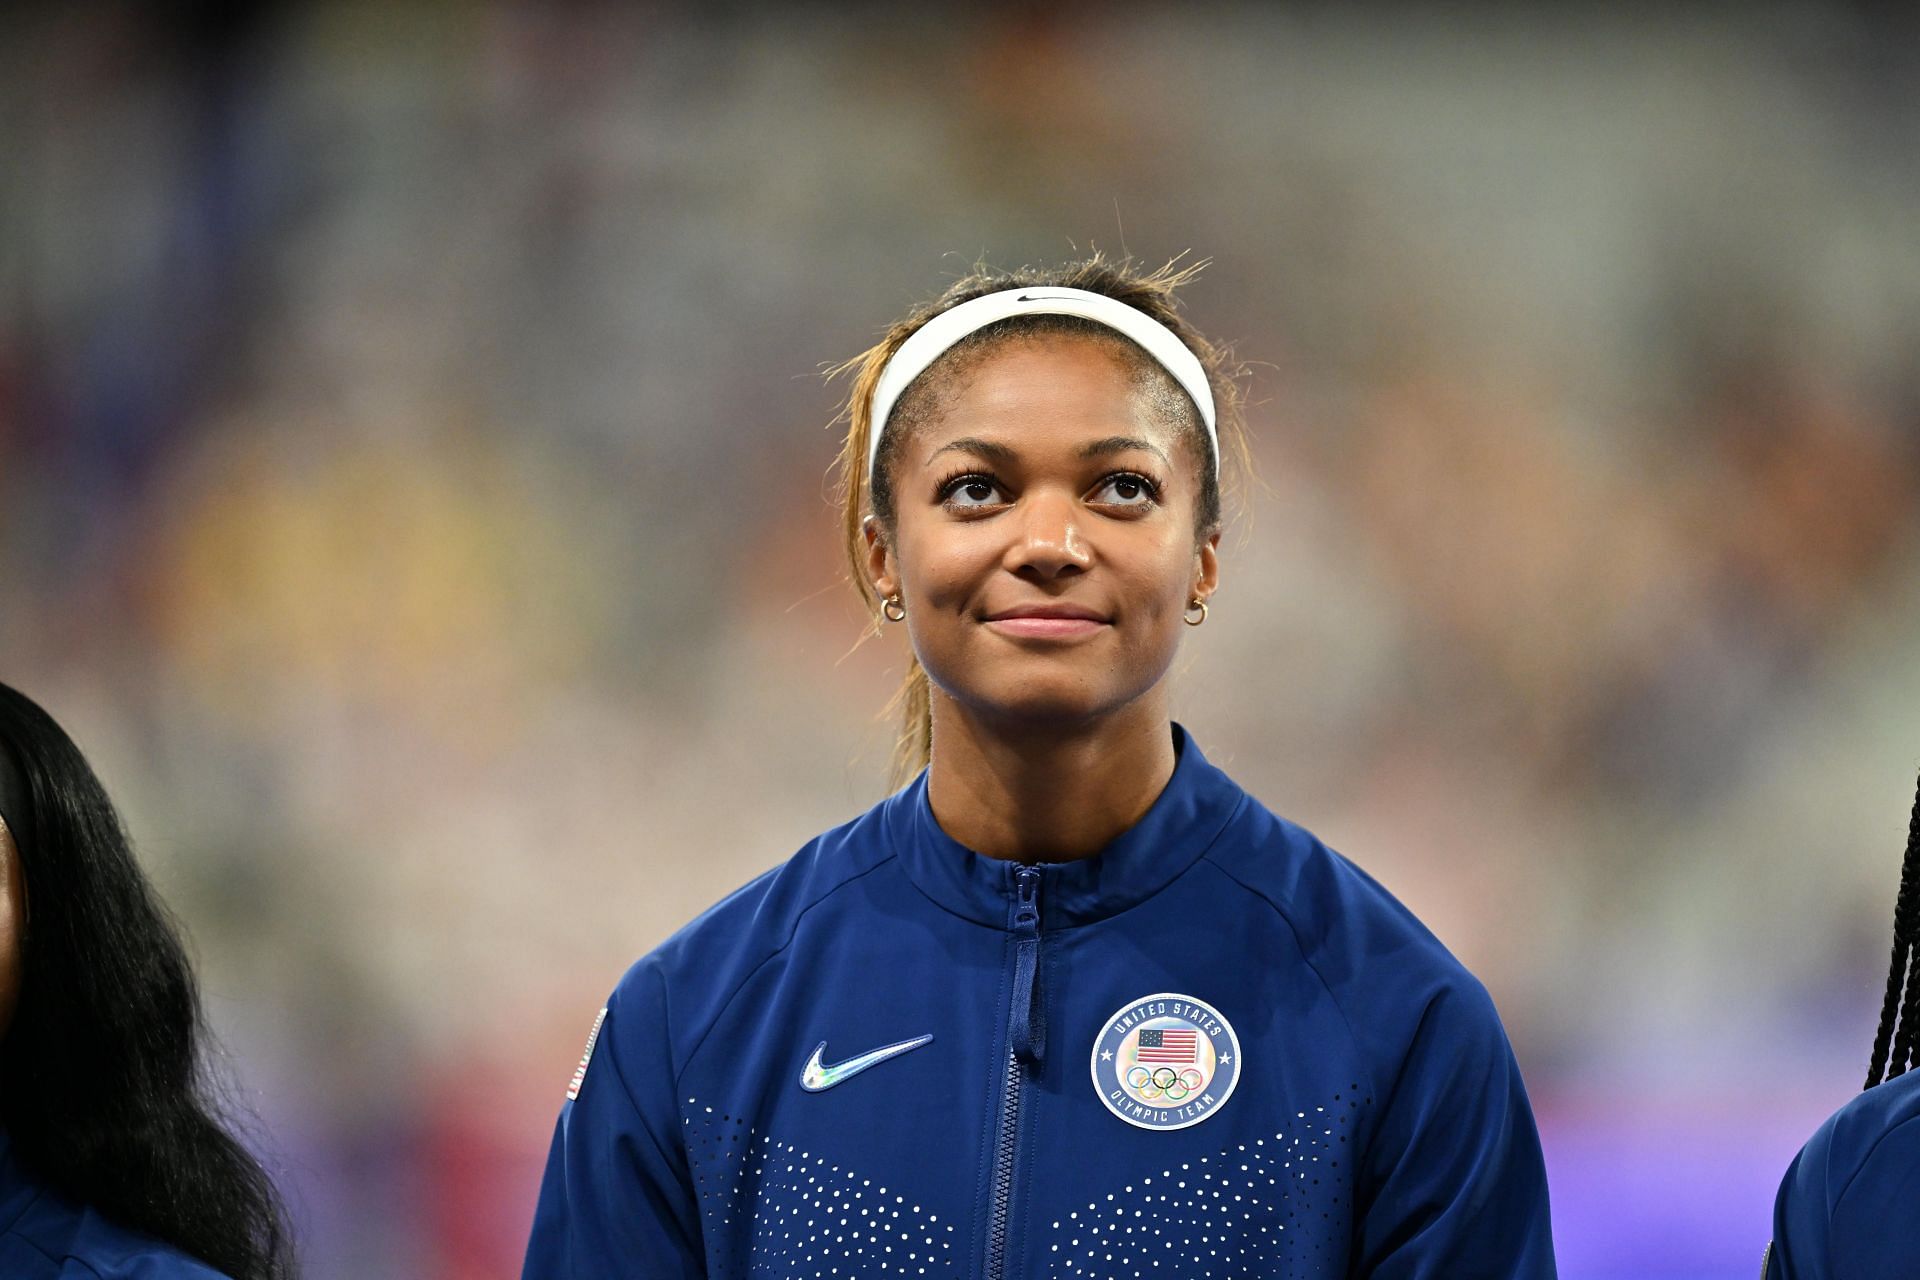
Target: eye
[[971, 489], [1130, 489]]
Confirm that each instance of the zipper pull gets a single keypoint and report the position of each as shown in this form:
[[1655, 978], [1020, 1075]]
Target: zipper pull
[[1028, 1036]]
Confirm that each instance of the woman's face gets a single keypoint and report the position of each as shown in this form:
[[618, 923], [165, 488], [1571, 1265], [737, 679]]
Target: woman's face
[[13, 915], [1043, 542]]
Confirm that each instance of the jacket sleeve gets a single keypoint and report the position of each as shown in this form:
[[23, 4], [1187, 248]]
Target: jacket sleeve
[[1872, 1227], [1845, 1201], [1452, 1184], [616, 1200], [1800, 1212]]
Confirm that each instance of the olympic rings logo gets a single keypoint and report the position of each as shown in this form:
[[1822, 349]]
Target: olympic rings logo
[[1163, 1082]]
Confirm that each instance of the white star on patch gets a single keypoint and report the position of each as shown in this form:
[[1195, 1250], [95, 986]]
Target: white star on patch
[[1106, 1055], [1226, 1057]]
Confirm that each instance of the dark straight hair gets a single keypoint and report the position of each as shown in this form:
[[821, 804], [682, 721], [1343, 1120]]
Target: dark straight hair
[[103, 1090], [1894, 1044]]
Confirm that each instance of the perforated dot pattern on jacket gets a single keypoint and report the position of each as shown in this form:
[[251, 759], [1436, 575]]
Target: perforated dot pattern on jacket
[[1272, 1206], [769, 1208]]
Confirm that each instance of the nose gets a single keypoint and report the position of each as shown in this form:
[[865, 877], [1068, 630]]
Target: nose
[[1048, 540]]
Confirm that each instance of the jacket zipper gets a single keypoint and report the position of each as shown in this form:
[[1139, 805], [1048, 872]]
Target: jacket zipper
[[1026, 1048]]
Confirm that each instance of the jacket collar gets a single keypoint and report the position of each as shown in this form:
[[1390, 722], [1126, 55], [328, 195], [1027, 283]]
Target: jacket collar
[[1181, 824]]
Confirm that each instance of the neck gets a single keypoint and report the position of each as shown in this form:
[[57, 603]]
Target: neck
[[1046, 792]]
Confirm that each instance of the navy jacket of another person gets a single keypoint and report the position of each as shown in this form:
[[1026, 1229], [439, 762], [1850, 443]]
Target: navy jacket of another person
[[1849, 1207], [45, 1236], [1215, 1049]]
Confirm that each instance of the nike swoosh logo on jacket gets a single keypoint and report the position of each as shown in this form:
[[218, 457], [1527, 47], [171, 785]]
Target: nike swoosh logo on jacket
[[817, 1077]]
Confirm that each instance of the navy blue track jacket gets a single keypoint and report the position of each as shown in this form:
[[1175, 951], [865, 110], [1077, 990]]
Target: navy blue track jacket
[[1215, 1049], [45, 1236], [1847, 1206]]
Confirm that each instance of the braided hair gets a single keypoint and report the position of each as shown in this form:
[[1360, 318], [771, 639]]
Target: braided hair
[[1894, 1044]]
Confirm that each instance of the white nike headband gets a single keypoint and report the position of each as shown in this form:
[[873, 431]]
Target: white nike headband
[[932, 339]]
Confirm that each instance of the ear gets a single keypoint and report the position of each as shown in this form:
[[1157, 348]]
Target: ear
[[1206, 567], [882, 573]]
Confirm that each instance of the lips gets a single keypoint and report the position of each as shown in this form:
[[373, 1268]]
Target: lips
[[1047, 621]]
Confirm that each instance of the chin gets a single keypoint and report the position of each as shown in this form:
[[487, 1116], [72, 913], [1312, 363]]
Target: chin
[[1038, 701]]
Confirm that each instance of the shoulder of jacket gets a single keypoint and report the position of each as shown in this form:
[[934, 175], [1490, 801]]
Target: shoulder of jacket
[[113, 1253], [1342, 918], [1879, 1124], [144, 1263], [56, 1238], [1394, 984], [688, 980]]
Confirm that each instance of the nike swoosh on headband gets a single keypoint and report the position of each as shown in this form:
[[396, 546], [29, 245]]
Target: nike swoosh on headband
[[816, 1077], [932, 339]]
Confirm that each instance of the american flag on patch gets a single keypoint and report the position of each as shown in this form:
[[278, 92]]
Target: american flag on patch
[[1167, 1046], [586, 1056]]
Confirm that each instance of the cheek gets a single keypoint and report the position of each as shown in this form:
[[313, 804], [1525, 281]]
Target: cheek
[[945, 573], [1162, 575]]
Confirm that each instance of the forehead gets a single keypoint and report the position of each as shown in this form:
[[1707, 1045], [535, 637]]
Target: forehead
[[1036, 390]]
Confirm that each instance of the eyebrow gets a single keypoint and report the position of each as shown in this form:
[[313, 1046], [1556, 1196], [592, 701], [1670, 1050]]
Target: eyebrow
[[974, 444], [1120, 444], [1002, 454]]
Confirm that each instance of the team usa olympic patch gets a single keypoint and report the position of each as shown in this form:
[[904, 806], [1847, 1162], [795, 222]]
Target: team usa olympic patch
[[586, 1056], [1165, 1061]]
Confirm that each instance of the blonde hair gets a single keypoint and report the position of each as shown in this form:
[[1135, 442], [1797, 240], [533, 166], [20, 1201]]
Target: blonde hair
[[860, 494]]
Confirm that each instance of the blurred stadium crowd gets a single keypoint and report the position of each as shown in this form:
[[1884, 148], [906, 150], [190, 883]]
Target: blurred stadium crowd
[[412, 491]]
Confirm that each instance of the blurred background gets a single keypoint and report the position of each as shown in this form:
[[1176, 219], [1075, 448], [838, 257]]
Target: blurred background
[[413, 494]]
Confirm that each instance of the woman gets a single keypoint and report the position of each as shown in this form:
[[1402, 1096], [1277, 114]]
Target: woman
[[1846, 1206], [1071, 1003], [112, 1161]]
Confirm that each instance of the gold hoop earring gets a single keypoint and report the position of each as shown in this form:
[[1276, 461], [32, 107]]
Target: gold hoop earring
[[890, 604], [1191, 621]]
